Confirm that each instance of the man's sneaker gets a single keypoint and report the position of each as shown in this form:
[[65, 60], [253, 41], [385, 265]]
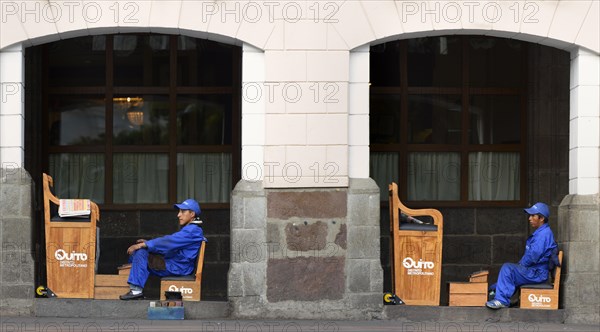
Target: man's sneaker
[[494, 304], [131, 296]]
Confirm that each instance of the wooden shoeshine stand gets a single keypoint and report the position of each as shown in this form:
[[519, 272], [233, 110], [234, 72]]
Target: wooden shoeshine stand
[[70, 249], [416, 256]]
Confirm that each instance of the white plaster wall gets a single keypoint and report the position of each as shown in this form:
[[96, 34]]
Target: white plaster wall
[[584, 123], [11, 107], [310, 59]]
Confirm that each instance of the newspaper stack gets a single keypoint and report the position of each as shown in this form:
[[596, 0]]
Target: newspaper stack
[[74, 207]]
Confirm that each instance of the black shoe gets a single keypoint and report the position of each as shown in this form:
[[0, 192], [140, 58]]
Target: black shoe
[[131, 296]]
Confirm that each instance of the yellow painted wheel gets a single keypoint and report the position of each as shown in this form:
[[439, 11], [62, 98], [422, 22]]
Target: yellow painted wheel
[[41, 290], [387, 297]]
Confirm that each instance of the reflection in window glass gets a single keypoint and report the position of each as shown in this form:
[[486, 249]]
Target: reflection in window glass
[[141, 120], [495, 119], [76, 120], [78, 175], [77, 62], [383, 169], [140, 178], [385, 64], [204, 119], [434, 119], [141, 60], [435, 61], [384, 120], [433, 176], [202, 62], [205, 176], [495, 62], [494, 176]]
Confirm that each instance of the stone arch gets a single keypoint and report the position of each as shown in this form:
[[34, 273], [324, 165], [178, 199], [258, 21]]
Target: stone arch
[[33, 23], [556, 24]]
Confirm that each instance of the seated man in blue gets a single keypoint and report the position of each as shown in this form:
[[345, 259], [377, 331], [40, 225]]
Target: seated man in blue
[[179, 251], [533, 266]]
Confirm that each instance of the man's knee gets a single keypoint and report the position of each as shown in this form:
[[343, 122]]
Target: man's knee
[[140, 255]]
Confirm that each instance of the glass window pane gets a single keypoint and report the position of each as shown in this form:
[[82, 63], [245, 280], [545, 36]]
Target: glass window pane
[[141, 120], [434, 176], [141, 60], [76, 119], [202, 62], [205, 177], [78, 175], [385, 64], [494, 176], [495, 62], [140, 178], [384, 120], [204, 119], [77, 62], [434, 119], [383, 169], [495, 120], [435, 61]]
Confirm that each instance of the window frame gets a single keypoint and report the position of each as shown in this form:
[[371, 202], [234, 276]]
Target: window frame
[[403, 148], [109, 90]]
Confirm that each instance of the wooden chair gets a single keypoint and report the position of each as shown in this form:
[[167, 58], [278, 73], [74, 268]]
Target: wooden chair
[[70, 248], [416, 253], [190, 286], [545, 295]]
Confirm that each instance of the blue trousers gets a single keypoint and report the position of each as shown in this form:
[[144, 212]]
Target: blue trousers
[[139, 269], [512, 276]]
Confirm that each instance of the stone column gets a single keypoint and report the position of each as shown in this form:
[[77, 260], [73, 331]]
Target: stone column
[[301, 253], [579, 238], [16, 275], [579, 212]]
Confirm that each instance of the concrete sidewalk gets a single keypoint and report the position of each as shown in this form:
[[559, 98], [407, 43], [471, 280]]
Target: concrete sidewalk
[[22, 324], [221, 310]]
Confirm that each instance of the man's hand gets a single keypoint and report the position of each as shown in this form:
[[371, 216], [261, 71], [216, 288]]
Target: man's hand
[[135, 247]]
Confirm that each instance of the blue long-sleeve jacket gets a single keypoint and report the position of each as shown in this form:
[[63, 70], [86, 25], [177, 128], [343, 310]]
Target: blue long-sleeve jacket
[[538, 248], [179, 249]]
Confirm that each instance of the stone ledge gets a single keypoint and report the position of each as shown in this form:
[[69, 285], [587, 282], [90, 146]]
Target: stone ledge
[[471, 314], [117, 309]]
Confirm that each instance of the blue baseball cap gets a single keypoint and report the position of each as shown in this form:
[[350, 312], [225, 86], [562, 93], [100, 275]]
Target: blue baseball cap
[[539, 208], [189, 204]]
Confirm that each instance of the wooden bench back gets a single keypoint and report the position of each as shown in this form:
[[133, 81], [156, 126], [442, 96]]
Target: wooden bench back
[[200, 262], [557, 271]]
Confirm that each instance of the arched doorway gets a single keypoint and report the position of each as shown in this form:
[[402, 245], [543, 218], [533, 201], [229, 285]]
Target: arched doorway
[[472, 126], [137, 122]]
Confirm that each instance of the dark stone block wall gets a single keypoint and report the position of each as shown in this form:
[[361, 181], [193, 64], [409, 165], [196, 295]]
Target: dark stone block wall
[[306, 264], [305, 253], [120, 229]]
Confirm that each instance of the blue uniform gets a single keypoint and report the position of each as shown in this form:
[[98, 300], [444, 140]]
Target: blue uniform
[[179, 250], [531, 269]]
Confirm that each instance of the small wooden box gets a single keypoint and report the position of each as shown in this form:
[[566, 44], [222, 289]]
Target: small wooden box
[[125, 269], [190, 289], [479, 276], [539, 299], [468, 294], [110, 286]]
